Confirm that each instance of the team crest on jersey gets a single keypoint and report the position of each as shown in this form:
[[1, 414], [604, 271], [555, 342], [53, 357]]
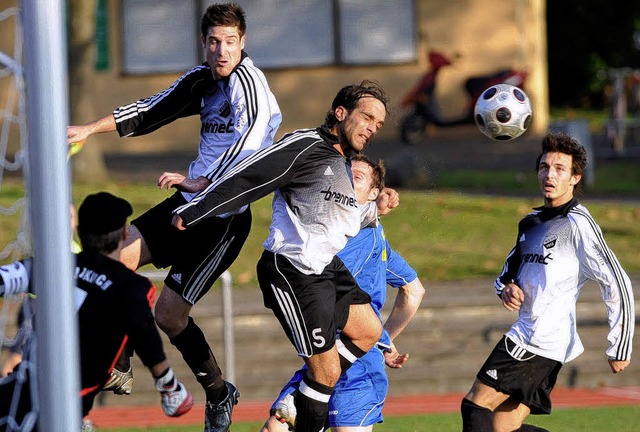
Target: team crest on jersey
[[550, 241], [225, 110]]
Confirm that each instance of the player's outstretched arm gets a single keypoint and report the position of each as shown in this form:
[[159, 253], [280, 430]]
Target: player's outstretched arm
[[406, 305], [170, 180], [77, 135], [408, 300], [14, 277]]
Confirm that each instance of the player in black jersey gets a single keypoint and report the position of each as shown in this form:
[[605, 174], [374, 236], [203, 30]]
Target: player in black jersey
[[238, 115], [113, 306], [308, 288]]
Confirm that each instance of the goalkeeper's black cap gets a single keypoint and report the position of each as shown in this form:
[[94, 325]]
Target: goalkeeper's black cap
[[102, 213]]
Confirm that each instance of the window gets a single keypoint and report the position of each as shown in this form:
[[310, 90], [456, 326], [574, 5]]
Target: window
[[159, 36], [163, 35]]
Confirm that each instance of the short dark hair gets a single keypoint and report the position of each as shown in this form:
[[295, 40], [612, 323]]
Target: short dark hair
[[349, 96], [100, 243], [562, 143], [223, 14], [379, 170]]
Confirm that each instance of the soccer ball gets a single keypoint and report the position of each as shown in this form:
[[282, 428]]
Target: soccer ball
[[503, 112]]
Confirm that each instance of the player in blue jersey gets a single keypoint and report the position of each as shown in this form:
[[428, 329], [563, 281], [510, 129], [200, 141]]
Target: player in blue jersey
[[238, 115], [359, 395]]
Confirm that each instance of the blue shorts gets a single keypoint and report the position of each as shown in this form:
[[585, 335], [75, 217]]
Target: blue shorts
[[359, 395]]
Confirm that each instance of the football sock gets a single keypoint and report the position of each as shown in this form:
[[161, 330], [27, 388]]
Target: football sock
[[475, 418], [348, 352], [312, 405], [123, 363], [531, 428], [196, 353]]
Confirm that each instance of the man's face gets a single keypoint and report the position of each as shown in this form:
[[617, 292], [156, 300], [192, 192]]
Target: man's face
[[223, 49], [358, 127], [555, 178], [362, 182]]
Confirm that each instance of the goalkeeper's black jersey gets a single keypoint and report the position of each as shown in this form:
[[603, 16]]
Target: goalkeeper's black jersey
[[113, 305]]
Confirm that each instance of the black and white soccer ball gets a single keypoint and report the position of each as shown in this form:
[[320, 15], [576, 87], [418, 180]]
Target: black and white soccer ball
[[503, 112]]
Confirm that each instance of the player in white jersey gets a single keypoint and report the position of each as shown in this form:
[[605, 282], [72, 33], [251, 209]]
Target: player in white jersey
[[307, 287], [559, 247], [239, 115]]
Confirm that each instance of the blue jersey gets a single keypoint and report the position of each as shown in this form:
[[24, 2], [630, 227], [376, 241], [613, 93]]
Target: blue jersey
[[360, 393], [375, 265]]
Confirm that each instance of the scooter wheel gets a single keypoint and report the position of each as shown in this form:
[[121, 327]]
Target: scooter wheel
[[412, 129]]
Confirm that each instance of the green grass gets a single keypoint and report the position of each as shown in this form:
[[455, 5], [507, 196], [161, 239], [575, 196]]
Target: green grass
[[618, 419], [444, 235], [611, 179]]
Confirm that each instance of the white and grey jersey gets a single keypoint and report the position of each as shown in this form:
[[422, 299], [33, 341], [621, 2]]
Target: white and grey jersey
[[314, 205], [557, 251], [238, 114]]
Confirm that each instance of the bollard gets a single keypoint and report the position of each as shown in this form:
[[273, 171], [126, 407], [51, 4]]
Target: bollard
[[579, 130]]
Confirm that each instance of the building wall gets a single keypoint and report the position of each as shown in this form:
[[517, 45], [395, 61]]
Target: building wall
[[488, 35]]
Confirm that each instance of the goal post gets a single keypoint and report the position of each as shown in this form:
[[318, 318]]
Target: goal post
[[49, 185]]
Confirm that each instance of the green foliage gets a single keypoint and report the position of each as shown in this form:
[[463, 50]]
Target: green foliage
[[445, 235]]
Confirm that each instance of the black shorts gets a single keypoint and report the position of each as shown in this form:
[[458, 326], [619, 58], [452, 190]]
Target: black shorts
[[197, 255], [527, 377], [310, 308]]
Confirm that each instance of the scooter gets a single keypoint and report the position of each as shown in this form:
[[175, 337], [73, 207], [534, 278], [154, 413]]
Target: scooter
[[423, 105]]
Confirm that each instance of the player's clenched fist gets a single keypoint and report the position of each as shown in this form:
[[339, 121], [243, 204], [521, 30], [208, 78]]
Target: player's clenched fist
[[387, 200], [170, 180], [512, 297]]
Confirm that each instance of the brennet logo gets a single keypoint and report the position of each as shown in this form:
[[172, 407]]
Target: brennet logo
[[339, 198], [217, 127]]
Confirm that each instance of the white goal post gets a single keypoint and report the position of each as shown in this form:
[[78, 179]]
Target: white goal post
[[49, 185]]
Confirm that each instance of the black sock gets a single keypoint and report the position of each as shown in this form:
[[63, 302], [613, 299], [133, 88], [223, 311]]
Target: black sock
[[123, 363], [348, 352], [475, 418], [531, 428], [196, 353], [312, 405]]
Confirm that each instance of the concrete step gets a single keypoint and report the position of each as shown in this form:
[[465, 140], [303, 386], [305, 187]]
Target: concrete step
[[448, 341]]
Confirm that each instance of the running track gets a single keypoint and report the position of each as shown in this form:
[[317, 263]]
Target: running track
[[151, 416]]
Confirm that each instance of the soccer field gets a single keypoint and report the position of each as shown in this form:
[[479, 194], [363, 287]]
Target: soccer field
[[619, 419]]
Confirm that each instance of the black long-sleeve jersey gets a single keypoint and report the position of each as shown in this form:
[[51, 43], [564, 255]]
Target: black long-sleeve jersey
[[113, 305], [314, 205], [238, 114], [557, 251]]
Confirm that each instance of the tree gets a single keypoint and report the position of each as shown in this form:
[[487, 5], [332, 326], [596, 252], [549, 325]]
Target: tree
[[89, 164], [584, 38]]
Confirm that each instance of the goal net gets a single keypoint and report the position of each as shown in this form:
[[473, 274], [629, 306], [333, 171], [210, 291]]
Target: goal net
[[16, 337]]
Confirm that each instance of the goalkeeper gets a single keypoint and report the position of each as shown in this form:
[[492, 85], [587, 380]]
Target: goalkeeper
[[113, 305]]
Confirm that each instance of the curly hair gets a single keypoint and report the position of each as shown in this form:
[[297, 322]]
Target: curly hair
[[349, 96], [223, 14]]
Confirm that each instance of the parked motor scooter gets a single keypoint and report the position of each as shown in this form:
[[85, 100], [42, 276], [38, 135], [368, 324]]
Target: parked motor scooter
[[423, 105]]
